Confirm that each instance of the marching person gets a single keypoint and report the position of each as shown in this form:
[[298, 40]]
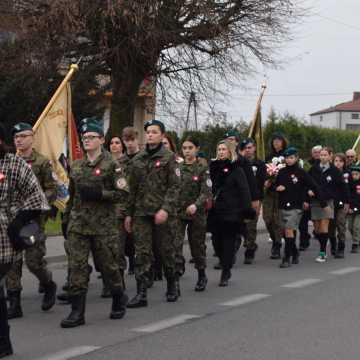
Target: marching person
[[270, 203], [258, 167], [232, 202], [22, 200], [354, 211], [23, 137], [292, 183], [90, 224], [330, 181], [195, 191], [341, 208], [154, 184], [351, 157]]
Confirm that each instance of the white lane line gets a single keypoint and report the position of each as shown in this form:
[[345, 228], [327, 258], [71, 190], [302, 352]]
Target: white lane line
[[301, 283], [245, 299], [70, 353], [345, 271], [167, 323]]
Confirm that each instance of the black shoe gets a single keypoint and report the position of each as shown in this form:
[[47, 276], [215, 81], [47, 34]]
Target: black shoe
[[140, 299], [218, 266], [249, 256], [49, 296], [64, 297], [201, 283], [275, 253], [295, 260], [173, 289], [285, 264], [354, 248], [14, 309], [339, 254], [41, 289], [224, 279], [118, 308], [77, 314], [5, 346]]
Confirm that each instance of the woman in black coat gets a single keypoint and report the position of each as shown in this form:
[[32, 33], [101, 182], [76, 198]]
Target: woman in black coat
[[232, 203]]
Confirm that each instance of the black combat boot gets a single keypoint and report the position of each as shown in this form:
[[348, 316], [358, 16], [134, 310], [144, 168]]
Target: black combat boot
[[202, 280], [49, 296], [294, 252], [77, 314], [354, 248], [275, 251], [250, 256], [41, 289], [340, 250], [224, 279], [118, 308], [14, 309], [173, 288], [333, 246], [140, 299], [285, 263], [287, 253], [131, 269], [5, 344], [64, 297]]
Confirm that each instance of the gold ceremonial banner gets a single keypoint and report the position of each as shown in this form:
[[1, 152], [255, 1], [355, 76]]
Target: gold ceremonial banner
[[356, 147], [50, 132], [256, 131]]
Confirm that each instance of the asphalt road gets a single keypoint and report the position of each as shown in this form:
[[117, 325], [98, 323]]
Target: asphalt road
[[310, 311]]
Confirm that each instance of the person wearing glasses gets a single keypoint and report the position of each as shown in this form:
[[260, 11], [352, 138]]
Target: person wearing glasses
[[23, 137], [351, 158], [90, 223]]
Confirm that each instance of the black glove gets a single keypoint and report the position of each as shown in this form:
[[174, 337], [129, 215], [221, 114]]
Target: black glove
[[64, 230], [90, 193], [21, 219]]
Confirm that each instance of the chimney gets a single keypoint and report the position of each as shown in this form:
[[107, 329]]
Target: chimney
[[356, 96]]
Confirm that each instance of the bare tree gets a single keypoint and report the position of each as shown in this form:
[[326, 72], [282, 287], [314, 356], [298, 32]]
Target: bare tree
[[178, 43]]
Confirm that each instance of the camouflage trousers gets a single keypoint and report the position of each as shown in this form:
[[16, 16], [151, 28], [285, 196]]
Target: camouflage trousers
[[34, 259], [354, 227], [271, 216], [196, 234], [105, 250], [178, 234], [338, 224], [145, 230], [251, 233]]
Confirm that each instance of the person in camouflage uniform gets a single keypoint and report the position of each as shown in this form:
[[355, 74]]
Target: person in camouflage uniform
[[90, 224], [195, 191], [154, 185], [34, 256]]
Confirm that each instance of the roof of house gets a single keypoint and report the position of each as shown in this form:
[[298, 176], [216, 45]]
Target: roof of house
[[350, 106]]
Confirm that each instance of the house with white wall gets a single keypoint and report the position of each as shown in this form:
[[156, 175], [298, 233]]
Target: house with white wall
[[342, 116]]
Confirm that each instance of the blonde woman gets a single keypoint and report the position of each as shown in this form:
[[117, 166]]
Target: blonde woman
[[232, 202]]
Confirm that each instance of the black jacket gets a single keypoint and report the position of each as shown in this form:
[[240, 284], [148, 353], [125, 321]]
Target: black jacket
[[259, 169], [297, 182], [232, 199], [355, 196], [330, 182], [251, 179]]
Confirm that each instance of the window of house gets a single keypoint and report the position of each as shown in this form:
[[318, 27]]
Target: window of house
[[355, 116]]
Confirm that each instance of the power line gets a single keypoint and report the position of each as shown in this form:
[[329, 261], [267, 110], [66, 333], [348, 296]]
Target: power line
[[339, 22]]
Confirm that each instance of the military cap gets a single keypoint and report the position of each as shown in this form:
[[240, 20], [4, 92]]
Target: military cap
[[246, 142], [155, 122], [355, 168], [290, 151], [19, 127], [88, 120], [231, 133], [92, 126]]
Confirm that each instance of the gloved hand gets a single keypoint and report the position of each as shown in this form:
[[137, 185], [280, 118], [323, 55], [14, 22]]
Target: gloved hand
[[64, 230], [90, 193]]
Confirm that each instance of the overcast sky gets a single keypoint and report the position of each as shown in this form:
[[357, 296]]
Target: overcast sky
[[327, 54]]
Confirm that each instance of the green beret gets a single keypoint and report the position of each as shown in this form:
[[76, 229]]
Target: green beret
[[88, 120], [92, 126], [355, 168], [290, 151], [231, 133], [246, 142], [155, 122], [19, 127]]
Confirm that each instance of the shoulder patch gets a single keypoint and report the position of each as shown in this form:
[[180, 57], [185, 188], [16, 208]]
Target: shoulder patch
[[177, 172], [209, 183]]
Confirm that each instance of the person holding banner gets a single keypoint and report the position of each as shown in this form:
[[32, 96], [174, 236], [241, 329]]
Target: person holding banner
[[34, 257], [91, 223]]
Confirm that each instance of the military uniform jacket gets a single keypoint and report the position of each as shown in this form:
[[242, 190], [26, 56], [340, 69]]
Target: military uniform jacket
[[94, 217], [355, 196], [195, 188], [154, 183]]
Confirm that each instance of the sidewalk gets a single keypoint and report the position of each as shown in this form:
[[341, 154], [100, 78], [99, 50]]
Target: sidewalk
[[56, 252]]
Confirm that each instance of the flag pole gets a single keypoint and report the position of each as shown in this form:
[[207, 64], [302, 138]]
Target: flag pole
[[69, 75], [356, 142], [258, 105]]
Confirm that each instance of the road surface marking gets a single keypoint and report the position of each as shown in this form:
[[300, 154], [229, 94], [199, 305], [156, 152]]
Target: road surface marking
[[167, 323], [301, 283], [345, 271], [70, 353], [245, 299]]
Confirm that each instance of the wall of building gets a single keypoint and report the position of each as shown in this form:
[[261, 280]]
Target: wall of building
[[337, 120], [328, 120]]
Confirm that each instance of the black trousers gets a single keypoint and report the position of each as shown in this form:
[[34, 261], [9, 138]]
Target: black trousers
[[4, 326], [224, 236], [304, 227]]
